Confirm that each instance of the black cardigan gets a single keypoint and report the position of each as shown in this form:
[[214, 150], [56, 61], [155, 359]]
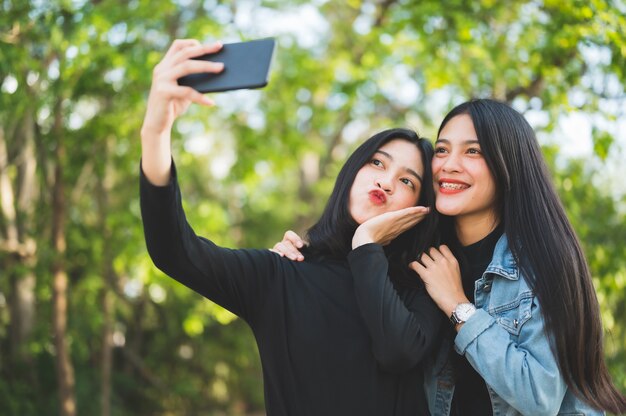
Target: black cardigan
[[335, 337]]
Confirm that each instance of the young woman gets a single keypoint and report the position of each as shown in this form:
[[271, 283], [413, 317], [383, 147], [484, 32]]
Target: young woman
[[332, 340], [526, 325], [523, 305]]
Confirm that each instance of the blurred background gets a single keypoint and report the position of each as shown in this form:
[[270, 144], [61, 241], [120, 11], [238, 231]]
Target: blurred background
[[89, 326]]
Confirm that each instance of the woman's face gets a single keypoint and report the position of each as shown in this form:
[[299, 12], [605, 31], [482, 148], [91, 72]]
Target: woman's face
[[464, 186], [391, 180]]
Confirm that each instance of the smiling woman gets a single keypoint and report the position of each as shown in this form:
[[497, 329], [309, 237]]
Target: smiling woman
[[524, 313], [464, 186], [335, 334]]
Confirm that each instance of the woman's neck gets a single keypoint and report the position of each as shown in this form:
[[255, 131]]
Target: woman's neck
[[470, 229]]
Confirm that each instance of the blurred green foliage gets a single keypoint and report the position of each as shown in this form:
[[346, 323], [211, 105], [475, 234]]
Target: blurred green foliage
[[259, 163]]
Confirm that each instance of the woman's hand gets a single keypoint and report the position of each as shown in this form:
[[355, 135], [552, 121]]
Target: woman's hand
[[289, 246], [440, 272], [383, 228], [168, 100]]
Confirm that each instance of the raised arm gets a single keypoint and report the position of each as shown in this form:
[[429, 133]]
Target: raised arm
[[235, 279], [168, 100]]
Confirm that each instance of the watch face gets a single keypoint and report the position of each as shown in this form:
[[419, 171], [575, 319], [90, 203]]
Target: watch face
[[464, 311]]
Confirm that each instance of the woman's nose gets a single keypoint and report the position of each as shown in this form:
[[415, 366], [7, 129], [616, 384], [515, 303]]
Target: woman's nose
[[384, 184], [451, 163]]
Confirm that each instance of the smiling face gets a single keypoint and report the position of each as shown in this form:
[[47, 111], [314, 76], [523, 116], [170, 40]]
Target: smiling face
[[464, 186], [391, 180]]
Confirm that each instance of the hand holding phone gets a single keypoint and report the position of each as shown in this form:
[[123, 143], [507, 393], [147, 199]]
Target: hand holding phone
[[246, 66]]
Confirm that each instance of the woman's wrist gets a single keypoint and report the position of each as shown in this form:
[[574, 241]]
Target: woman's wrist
[[361, 238], [149, 133], [156, 157], [448, 305]]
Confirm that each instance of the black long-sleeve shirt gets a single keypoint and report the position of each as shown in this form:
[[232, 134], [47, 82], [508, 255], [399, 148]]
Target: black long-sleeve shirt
[[470, 393], [335, 337]]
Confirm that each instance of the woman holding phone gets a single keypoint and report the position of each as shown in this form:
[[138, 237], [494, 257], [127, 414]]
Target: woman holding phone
[[332, 339]]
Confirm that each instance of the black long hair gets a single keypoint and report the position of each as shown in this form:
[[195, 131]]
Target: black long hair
[[331, 236], [545, 246]]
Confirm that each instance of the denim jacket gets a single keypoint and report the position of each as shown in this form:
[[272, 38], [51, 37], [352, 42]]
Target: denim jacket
[[505, 340]]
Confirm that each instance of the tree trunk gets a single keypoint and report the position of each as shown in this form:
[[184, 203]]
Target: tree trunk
[[107, 350], [22, 307], [17, 241], [64, 368], [10, 241], [108, 274]]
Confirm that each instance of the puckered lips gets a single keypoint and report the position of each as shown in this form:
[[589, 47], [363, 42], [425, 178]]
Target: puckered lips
[[377, 197], [452, 186]]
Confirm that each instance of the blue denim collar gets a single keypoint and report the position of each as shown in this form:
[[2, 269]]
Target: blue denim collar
[[503, 262]]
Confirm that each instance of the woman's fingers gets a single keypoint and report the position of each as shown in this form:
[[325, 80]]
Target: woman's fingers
[[293, 238], [413, 215], [445, 257], [180, 44], [287, 249], [165, 84], [425, 259], [418, 268], [447, 253], [177, 61], [435, 254], [418, 212], [192, 67], [184, 93], [441, 277], [193, 52], [383, 228], [192, 95]]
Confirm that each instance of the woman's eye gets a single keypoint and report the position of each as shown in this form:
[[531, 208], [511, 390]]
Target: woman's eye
[[440, 150], [407, 182], [376, 162], [473, 151]]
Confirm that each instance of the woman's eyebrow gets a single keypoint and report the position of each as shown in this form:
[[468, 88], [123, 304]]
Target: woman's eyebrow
[[408, 170], [466, 142]]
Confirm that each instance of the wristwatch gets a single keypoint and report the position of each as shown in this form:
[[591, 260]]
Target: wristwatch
[[462, 312]]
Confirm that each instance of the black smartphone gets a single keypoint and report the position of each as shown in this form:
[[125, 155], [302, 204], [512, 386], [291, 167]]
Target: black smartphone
[[246, 66]]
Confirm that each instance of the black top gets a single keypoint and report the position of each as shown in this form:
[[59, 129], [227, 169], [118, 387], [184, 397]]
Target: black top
[[335, 337], [470, 392]]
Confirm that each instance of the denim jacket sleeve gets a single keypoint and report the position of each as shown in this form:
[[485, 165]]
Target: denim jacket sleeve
[[510, 349]]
